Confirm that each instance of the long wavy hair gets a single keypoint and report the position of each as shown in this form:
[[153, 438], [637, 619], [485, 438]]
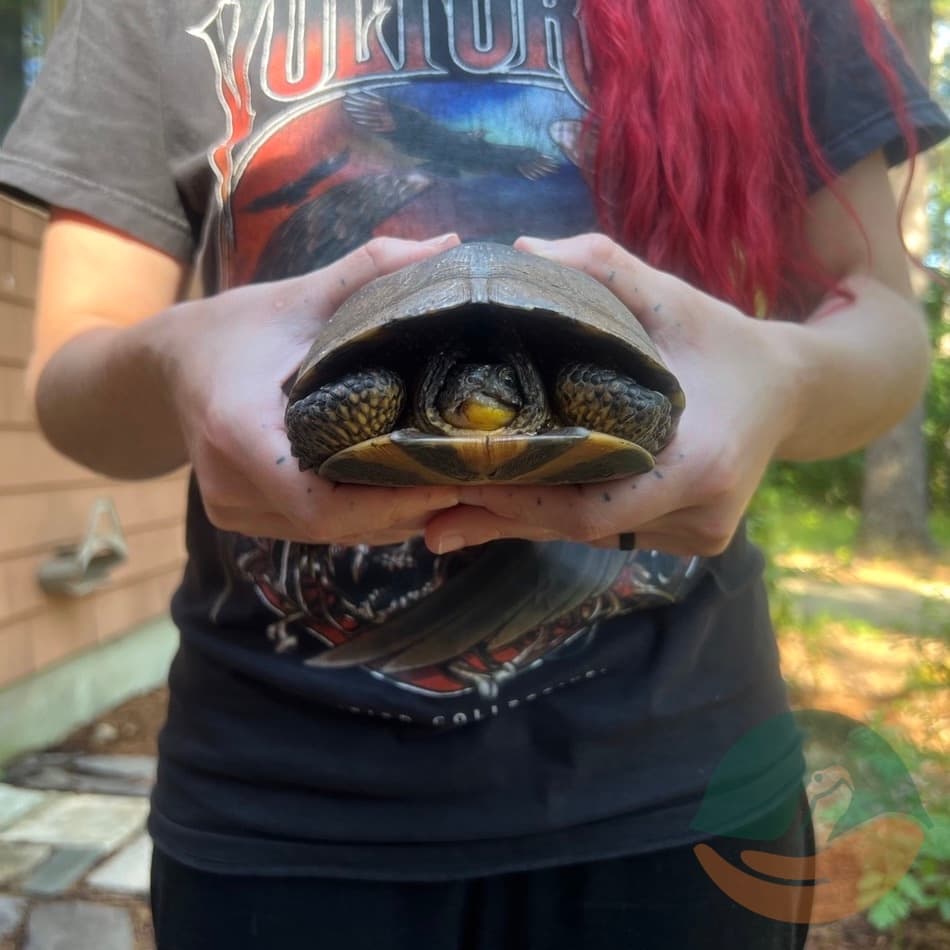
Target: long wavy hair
[[705, 102]]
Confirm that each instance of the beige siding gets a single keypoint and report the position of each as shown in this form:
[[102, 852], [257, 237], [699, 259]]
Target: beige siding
[[45, 501]]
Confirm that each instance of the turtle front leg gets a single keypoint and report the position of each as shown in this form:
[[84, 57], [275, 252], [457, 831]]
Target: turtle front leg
[[603, 400], [356, 407]]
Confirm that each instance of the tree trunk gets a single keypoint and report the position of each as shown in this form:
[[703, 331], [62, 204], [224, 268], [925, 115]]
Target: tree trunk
[[894, 503]]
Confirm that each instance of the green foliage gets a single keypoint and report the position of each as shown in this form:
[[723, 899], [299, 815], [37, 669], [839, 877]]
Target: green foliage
[[937, 422], [832, 482], [814, 491], [925, 888], [784, 517], [781, 521]]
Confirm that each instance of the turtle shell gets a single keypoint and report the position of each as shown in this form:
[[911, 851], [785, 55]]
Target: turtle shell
[[483, 293]]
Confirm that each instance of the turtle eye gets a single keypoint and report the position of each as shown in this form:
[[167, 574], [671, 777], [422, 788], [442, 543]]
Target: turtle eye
[[508, 376]]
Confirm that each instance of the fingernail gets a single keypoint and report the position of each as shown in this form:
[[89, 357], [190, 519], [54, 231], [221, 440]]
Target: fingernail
[[449, 542], [441, 239], [533, 242]]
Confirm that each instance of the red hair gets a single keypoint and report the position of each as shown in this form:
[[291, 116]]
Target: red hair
[[707, 103]]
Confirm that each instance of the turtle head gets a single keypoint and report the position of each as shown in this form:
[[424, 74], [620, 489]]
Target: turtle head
[[480, 396]]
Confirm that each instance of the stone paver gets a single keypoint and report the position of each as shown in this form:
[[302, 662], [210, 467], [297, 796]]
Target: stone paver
[[16, 802], [79, 925], [93, 821], [140, 767], [60, 871], [72, 772], [11, 914], [126, 872], [18, 859]]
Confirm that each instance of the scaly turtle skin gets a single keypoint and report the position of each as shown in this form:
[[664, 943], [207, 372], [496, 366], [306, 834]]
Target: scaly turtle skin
[[482, 364]]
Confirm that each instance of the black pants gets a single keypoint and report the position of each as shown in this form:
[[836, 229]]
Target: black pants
[[661, 901]]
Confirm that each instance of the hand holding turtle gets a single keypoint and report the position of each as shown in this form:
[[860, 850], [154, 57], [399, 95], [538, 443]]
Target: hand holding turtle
[[221, 359], [484, 364], [740, 396]]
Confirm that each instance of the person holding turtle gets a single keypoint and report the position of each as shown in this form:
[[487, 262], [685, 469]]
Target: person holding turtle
[[537, 680]]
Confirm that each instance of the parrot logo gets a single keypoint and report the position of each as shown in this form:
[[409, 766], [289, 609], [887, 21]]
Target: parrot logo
[[867, 819]]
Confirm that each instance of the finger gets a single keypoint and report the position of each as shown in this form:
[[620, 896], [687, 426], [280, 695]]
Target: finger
[[649, 293], [649, 541], [397, 534], [248, 516], [463, 526], [221, 485], [325, 509], [380, 256], [348, 510], [257, 524], [576, 512], [443, 535], [271, 524], [380, 538], [597, 510], [698, 531]]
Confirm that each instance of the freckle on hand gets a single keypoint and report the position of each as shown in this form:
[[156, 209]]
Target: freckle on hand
[[281, 460], [606, 496], [657, 473]]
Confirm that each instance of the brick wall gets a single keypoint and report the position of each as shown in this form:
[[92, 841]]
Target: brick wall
[[45, 501]]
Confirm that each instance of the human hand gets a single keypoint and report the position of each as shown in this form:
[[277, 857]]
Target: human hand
[[740, 403], [224, 359]]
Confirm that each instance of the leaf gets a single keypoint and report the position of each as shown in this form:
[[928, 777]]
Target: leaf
[[910, 887], [891, 909], [937, 842]]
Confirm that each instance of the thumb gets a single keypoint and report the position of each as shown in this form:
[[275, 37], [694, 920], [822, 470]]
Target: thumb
[[381, 256], [651, 295]]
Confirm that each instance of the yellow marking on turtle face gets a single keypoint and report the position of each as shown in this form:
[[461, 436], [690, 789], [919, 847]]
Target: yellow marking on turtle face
[[485, 416]]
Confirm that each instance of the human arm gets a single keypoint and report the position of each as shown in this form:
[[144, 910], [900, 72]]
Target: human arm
[[133, 384], [755, 389], [95, 387]]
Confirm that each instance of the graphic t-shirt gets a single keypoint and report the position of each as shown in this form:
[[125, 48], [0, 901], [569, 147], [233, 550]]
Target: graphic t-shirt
[[387, 712]]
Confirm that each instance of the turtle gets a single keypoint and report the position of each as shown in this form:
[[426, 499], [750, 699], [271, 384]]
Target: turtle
[[482, 364]]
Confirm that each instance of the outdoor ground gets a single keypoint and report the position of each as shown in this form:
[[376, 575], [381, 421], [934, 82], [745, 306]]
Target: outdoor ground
[[890, 669]]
